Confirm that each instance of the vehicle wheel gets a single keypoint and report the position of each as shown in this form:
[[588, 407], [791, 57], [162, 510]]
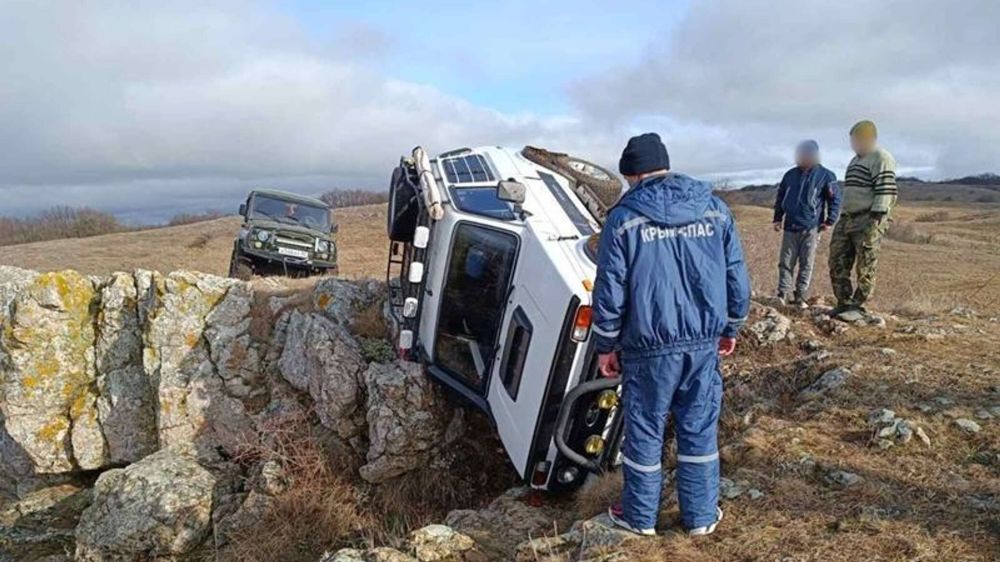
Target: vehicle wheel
[[403, 206], [240, 267], [603, 185]]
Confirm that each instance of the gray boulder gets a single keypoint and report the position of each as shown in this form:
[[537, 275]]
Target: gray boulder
[[157, 508], [828, 381], [321, 358], [408, 420], [48, 403], [772, 326]]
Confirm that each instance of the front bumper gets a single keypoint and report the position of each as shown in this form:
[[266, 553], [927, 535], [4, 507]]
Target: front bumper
[[274, 258]]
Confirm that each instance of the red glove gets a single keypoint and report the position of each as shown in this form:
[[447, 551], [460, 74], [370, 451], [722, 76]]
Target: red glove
[[727, 346], [608, 365]]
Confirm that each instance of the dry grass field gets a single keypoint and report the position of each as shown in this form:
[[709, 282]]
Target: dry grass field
[[931, 365], [938, 256], [204, 246]]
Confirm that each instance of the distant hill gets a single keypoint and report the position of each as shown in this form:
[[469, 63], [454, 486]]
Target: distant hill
[[983, 188]]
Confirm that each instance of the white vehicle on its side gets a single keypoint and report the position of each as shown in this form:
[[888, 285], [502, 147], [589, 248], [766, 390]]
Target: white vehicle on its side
[[491, 269]]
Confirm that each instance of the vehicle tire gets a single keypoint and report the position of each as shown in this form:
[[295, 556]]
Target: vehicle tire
[[403, 206], [240, 267], [600, 183]]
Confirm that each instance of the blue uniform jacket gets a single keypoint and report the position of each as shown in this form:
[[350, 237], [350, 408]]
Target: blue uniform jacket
[[670, 270], [807, 199]]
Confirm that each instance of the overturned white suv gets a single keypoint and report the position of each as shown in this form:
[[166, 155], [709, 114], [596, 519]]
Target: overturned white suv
[[491, 268]]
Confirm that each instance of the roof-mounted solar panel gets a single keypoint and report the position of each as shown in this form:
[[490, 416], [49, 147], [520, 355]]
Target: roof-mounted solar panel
[[472, 168]]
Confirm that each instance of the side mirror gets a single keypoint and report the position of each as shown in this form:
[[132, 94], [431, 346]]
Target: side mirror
[[243, 209], [511, 191], [334, 228]]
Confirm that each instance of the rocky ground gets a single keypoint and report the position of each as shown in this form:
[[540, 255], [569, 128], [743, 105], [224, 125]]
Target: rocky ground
[[187, 417]]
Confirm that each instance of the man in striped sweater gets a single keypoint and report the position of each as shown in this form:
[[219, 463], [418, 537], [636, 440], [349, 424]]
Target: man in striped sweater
[[869, 196]]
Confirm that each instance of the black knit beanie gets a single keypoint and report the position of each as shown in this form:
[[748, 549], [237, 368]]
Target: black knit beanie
[[644, 153]]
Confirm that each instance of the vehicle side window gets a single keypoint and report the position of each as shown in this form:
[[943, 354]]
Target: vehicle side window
[[478, 279], [518, 340]]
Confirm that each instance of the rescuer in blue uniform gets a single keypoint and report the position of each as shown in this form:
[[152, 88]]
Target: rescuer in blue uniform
[[671, 294]]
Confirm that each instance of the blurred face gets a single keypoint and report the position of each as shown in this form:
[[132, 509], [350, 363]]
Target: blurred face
[[862, 144], [632, 180], [805, 159]]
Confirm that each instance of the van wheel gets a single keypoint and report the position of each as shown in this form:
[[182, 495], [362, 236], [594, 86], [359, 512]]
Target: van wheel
[[240, 267], [603, 185]]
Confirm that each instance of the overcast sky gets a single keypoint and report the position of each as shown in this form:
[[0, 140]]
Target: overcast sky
[[151, 108]]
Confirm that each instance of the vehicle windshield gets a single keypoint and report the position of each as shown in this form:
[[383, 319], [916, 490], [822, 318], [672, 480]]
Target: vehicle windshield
[[482, 200], [290, 212]]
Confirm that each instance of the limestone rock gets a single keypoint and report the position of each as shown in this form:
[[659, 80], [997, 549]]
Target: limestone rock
[[772, 326], [49, 407], [126, 401], [320, 357], [506, 523], [408, 419], [436, 543], [372, 555], [159, 507], [830, 380], [967, 425], [593, 539], [842, 478], [181, 336]]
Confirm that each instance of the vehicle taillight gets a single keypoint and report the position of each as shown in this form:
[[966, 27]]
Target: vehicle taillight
[[581, 325]]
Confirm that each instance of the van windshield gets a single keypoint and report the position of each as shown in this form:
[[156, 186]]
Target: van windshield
[[482, 200], [479, 275], [267, 207]]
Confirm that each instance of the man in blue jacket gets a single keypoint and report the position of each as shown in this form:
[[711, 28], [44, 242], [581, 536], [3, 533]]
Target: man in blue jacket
[[671, 294], [807, 204]]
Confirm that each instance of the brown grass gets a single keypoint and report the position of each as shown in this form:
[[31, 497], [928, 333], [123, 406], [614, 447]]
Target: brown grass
[[916, 503], [320, 510], [908, 233], [362, 252]]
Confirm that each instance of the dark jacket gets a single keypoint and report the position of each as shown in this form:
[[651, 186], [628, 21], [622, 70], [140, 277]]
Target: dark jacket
[[807, 198], [670, 271]]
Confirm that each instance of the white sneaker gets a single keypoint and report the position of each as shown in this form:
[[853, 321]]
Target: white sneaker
[[616, 514], [708, 529]]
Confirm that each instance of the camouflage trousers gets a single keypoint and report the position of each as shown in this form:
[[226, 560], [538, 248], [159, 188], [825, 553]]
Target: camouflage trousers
[[855, 244]]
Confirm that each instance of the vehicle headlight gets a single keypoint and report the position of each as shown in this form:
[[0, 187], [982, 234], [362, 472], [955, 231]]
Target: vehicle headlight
[[263, 235], [323, 246]]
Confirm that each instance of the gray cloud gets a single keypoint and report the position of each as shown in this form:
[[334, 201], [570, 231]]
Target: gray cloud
[[150, 108], [134, 106], [769, 73]]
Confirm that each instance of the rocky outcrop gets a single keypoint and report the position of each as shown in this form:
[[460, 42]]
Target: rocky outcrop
[[408, 420], [506, 522], [320, 357], [163, 381], [159, 507]]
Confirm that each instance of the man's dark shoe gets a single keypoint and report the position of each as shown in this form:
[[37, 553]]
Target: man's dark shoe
[[840, 309]]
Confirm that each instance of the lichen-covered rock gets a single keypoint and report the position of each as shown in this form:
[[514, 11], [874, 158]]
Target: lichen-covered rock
[[827, 382], [767, 325], [593, 539], [436, 543], [194, 405], [320, 357], [126, 400], [506, 523], [382, 554], [408, 419], [157, 508], [47, 384]]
